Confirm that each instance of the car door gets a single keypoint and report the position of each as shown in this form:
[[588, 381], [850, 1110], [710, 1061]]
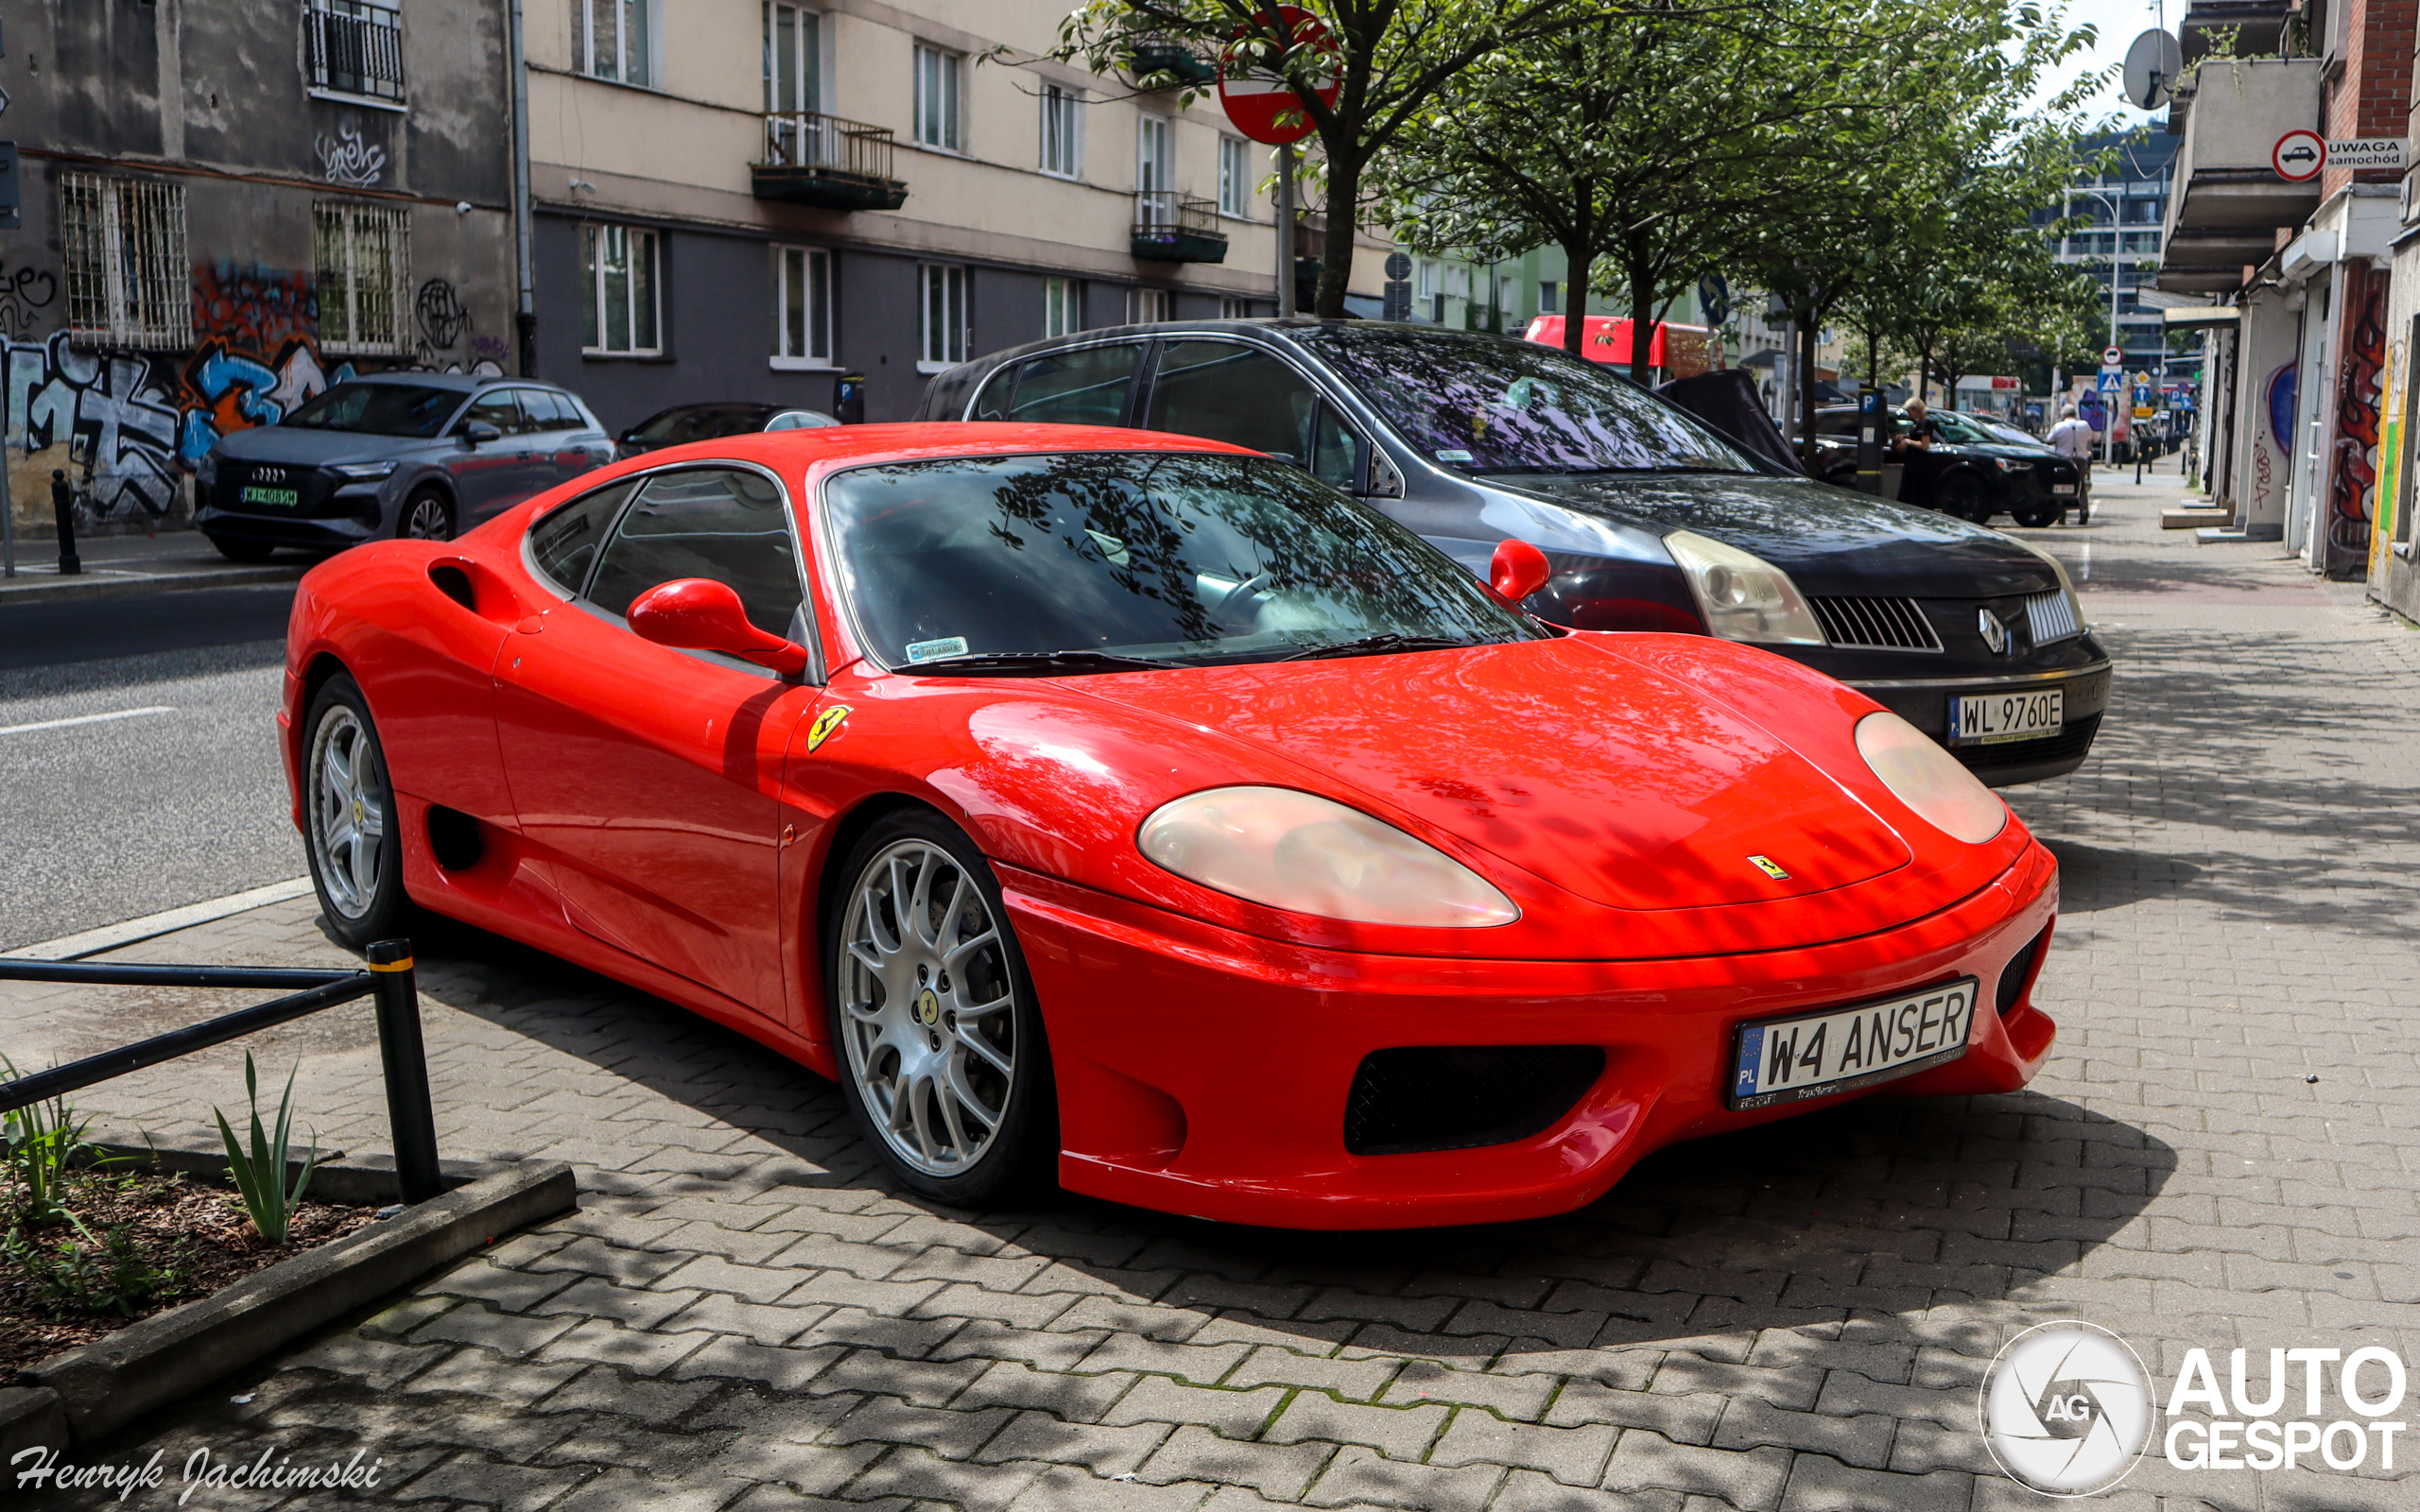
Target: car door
[[486, 474], [648, 778], [556, 436]]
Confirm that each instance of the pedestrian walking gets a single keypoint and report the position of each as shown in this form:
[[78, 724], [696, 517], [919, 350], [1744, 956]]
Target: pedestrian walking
[[2072, 438]]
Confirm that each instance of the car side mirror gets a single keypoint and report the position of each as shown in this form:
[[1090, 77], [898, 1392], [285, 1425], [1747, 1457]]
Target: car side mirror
[[1517, 570], [478, 433], [699, 614]]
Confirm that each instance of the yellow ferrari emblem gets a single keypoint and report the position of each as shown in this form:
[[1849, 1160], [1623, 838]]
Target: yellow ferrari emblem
[[1767, 865], [928, 1008], [827, 724]]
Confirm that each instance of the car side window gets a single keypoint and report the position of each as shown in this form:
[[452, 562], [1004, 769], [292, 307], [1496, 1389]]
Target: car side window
[[563, 545], [1335, 456], [498, 408], [1082, 388], [993, 403], [1225, 391], [724, 524], [549, 411]]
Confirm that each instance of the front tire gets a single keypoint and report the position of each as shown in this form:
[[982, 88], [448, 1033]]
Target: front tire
[[943, 1058], [2038, 516], [1964, 495], [349, 820], [426, 517]]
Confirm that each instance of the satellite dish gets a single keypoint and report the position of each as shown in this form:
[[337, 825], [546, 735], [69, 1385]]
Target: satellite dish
[[2151, 65]]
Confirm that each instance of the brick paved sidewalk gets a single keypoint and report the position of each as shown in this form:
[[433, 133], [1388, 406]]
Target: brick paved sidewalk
[[745, 1316]]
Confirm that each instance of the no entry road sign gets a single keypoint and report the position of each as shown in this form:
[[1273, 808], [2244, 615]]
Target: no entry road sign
[[1264, 107]]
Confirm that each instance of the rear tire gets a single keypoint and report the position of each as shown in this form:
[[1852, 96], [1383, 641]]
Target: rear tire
[[2037, 516], [350, 827], [942, 1060], [235, 548]]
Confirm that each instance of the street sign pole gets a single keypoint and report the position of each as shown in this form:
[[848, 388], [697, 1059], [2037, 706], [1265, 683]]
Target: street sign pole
[[1285, 232]]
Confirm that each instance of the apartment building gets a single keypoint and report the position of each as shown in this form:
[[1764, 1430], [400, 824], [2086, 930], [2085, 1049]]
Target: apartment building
[[755, 199], [2121, 209], [225, 208]]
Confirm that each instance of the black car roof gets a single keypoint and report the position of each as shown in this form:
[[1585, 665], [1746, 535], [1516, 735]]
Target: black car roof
[[461, 383]]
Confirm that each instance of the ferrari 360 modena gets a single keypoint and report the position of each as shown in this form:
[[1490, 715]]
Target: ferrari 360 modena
[[1145, 814]]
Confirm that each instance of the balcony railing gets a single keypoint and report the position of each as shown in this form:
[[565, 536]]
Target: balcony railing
[[354, 48], [1173, 227], [824, 161]]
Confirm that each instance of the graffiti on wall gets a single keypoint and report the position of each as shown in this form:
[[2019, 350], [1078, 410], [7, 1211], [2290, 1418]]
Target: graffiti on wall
[[256, 352], [347, 160], [445, 321], [2352, 486], [115, 415], [24, 294]]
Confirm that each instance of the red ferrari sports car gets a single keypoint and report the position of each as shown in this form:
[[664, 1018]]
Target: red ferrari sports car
[[1143, 812]]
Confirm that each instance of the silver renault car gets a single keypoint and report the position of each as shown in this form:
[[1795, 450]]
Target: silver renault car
[[395, 454]]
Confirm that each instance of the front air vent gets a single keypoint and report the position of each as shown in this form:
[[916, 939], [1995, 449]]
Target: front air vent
[[2019, 969], [1461, 1097], [1875, 624], [2051, 616]]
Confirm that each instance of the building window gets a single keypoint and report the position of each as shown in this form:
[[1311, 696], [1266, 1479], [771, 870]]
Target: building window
[[617, 39], [942, 290], [802, 308], [355, 47], [364, 260], [1547, 292], [1063, 306], [620, 316], [1234, 177], [939, 102], [793, 59], [1063, 131], [1145, 306], [122, 242], [1154, 176]]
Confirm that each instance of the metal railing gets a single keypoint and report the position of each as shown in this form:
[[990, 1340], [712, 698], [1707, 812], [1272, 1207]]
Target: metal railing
[[390, 979], [806, 139], [1164, 210], [355, 47]]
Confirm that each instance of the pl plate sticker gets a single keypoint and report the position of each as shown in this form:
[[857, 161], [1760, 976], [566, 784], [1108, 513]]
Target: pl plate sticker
[[827, 724], [935, 650], [2067, 1408]]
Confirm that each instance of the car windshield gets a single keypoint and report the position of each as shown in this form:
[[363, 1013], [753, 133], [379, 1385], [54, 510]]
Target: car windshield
[[701, 423], [2007, 434], [1960, 431], [379, 409], [1172, 556], [1495, 404]]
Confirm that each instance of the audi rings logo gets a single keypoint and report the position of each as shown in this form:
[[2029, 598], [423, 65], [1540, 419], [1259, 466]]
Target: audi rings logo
[[2067, 1408], [269, 474]]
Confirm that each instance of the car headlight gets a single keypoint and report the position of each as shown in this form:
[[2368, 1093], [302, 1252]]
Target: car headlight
[[2013, 464], [1309, 855], [1740, 596], [363, 471], [1929, 779]]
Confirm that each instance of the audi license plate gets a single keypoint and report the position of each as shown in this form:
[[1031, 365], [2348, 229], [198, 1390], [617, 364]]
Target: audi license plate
[[1839, 1050], [276, 498], [1987, 720], [2062, 488]]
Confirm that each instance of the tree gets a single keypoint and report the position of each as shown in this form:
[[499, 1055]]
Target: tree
[[1390, 58]]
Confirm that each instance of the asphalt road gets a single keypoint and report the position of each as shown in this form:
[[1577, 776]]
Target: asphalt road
[[118, 816]]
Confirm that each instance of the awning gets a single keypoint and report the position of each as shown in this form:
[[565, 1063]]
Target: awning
[[2202, 317]]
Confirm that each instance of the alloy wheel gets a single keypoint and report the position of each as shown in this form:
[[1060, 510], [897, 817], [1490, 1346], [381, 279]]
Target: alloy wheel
[[426, 519], [348, 811], [927, 1007]]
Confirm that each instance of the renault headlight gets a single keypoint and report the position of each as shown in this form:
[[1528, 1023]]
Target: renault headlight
[[1929, 779], [1743, 597], [1309, 855]]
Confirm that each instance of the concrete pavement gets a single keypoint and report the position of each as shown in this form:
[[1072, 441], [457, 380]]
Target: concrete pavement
[[745, 1316]]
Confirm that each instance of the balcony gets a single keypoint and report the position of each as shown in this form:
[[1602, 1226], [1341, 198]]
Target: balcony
[[1173, 227], [354, 48], [827, 162], [2229, 201], [1175, 61]]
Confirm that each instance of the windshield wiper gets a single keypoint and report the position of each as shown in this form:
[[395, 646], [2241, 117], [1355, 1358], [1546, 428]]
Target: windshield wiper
[[1039, 663], [1379, 645]]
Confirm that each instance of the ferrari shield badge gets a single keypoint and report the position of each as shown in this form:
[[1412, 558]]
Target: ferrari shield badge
[[827, 724], [1769, 867], [928, 1008]]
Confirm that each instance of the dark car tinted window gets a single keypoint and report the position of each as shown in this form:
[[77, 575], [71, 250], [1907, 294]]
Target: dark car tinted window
[[1086, 387], [719, 522], [565, 542], [1185, 556], [701, 423], [379, 409], [1232, 393], [495, 407], [1496, 405], [550, 411]]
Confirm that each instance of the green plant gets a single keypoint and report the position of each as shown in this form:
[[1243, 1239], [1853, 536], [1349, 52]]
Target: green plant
[[39, 1143], [260, 1175], [92, 1275]]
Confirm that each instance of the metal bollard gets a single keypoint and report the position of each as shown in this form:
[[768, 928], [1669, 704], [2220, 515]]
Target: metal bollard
[[406, 1062], [63, 506]]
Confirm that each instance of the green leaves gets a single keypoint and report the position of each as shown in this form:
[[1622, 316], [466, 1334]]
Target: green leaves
[[259, 1174], [39, 1145]]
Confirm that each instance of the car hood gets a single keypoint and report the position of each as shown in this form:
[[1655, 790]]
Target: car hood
[[312, 448], [1829, 540], [1605, 777]]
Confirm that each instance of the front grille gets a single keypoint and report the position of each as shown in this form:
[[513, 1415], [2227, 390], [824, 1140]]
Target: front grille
[[1875, 624], [2019, 966], [2068, 744], [312, 487], [2051, 616], [1460, 1097]]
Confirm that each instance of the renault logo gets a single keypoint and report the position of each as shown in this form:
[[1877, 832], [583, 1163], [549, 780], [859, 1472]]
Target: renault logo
[[1996, 634]]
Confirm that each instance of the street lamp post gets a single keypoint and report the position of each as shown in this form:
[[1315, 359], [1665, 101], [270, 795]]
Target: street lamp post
[[2117, 236]]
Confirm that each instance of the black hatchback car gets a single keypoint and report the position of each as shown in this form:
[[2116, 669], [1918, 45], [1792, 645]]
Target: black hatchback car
[[1648, 518], [708, 422], [1974, 470], [398, 454]]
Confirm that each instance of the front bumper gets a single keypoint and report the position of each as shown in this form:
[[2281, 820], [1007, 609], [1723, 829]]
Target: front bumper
[[332, 534], [1924, 703], [1207, 1073]]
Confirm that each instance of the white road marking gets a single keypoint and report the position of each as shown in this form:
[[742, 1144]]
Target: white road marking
[[87, 720], [111, 937]]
